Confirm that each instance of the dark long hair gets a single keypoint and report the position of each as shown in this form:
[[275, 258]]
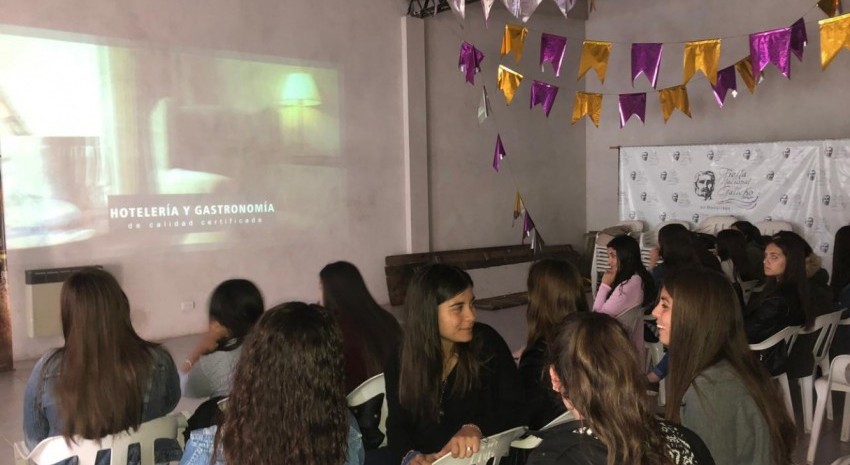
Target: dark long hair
[[288, 401], [841, 260], [105, 366], [605, 384], [421, 352], [344, 292], [751, 232], [732, 245], [555, 290], [236, 304], [704, 300], [793, 284], [676, 246], [629, 264]]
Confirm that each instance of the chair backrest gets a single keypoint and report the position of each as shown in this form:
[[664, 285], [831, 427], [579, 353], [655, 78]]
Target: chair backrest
[[367, 391], [632, 318], [769, 228], [56, 449], [492, 447], [635, 226], [824, 326], [531, 441], [783, 335], [714, 224]]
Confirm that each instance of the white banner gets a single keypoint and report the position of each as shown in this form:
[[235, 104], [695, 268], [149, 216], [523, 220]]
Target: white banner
[[806, 183]]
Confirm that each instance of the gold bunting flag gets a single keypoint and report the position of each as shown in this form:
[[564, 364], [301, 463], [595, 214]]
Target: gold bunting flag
[[673, 98], [830, 7], [514, 40], [594, 55], [702, 55], [745, 69], [509, 81], [587, 104], [518, 206], [834, 35]]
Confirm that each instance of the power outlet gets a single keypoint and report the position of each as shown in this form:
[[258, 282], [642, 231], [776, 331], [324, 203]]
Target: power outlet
[[187, 305]]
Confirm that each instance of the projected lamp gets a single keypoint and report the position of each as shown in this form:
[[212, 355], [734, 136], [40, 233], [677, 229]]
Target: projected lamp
[[299, 91]]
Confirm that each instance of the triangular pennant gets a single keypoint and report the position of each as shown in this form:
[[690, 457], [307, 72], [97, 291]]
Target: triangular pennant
[[484, 109], [552, 49], [459, 8], [725, 82], [632, 104], [674, 98], [799, 38], [487, 5], [522, 9], [498, 153], [518, 207], [594, 54], [543, 94], [702, 55], [834, 35], [771, 47], [587, 104], [565, 6], [745, 70], [830, 7], [469, 61], [514, 40], [509, 81], [646, 59]]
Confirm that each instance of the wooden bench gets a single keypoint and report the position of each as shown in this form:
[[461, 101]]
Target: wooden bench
[[399, 269]]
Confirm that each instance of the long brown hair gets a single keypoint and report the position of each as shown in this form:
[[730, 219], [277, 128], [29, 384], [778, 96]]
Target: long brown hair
[[605, 384], [105, 366], [288, 401], [421, 369], [554, 291], [707, 327]]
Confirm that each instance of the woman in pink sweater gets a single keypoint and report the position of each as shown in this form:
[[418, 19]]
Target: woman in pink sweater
[[625, 285]]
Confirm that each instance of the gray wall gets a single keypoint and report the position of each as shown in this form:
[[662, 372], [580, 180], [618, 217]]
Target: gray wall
[[812, 105]]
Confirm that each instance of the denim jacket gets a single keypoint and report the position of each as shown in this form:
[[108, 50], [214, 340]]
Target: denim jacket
[[41, 410], [199, 449]]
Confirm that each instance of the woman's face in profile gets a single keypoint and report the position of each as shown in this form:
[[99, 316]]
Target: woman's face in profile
[[774, 261], [663, 313], [456, 317]]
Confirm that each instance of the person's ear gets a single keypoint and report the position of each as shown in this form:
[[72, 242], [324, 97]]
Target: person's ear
[[556, 381]]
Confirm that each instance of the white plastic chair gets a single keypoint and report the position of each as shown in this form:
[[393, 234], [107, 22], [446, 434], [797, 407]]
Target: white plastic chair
[[531, 441], [747, 288], [714, 224], [632, 320], [368, 390], [826, 363], [841, 460], [769, 228], [825, 326], [492, 447], [835, 380], [783, 335], [56, 449]]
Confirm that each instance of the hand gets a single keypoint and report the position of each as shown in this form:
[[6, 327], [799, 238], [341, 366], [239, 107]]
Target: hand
[[423, 459], [608, 277], [207, 344], [464, 443]]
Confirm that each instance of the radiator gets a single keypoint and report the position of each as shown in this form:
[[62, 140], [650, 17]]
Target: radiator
[[42, 292]]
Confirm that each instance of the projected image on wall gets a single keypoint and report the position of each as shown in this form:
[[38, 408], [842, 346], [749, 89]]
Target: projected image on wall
[[130, 145]]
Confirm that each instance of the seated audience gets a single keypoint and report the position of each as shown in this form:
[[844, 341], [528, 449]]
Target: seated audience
[[288, 400], [555, 290], [105, 379], [677, 250], [602, 386], [755, 247], [732, 252], [820, 294], [455, 380], [370, 334], [783, 301], [626, 284], [716, 387]]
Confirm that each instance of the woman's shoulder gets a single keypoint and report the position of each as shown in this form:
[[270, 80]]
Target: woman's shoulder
[[684, 446], [568, 443]]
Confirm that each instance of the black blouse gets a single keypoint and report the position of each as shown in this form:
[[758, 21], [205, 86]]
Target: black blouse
[[494, 406]]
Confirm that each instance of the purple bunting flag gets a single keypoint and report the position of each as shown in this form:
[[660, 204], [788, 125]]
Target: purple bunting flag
[[498, 154], [632, 104], [646, 58], [469, 61], [565, 6], [771, 47], [552, 51], [536, 243], [726, 81], [798, 38], [486, 5], [543, 94], [527, 226]]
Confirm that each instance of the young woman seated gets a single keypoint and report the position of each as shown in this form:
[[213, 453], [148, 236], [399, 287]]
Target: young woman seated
[[105, 379], [716, 386], [554, 291], [288, 400], [602, 385], [455, 380], [755, 244]]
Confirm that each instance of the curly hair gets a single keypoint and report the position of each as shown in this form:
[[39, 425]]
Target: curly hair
[[288, 402]]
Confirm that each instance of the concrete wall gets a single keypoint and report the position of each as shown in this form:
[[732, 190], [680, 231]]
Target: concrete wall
[[812, 105]]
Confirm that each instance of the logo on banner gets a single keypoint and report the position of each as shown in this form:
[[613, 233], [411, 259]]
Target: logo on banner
[[747, 154], [770, 175], [710, 155], [828, 152], [824, 247], [826, 198], [812, 175], [669, 177], [682, 157], [787, 152], [809, 222], [734, 187], [663, 216], [649, 158], [695, 218], [704, 184]]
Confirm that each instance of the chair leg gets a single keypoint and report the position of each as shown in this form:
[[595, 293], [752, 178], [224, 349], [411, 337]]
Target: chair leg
[[786, 391], [817, 422], [662, 394], [845, 420], [806, 389], [829, 414]]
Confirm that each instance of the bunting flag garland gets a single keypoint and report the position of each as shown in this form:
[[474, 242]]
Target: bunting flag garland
[[745, 69], [484, 109], [518, 207], [702, 55], [543, 94], [771, 47], [646, 59], [552, 49], [565, 6], [674, 98], [509, 81], [594, 54], [469, 61], [587, 104], [632, 104], [725, 82], [522, 9], [459, 8], [487, 5], [830, 7], [834, 35], [514, 40], [498, 154], [799, 38]]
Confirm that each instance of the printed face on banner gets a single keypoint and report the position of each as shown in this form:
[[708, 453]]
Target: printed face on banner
[[710, 155], [675, 196], [809, 222], [769, 176], [747, 154], [704, 184], [695, 218], [632, 214], [824, 247], [828, 152], [784, 199], [663, 175], [663, 216], [676, 155], [812, 175], [787, 152], [826, 199]]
